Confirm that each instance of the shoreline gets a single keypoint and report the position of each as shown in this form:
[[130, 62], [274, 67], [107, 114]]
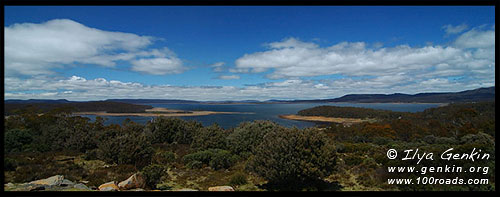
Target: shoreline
[[163, 112], [324, 119]]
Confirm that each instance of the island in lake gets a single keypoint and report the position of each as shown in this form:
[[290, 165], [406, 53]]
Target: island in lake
[[159, 111]]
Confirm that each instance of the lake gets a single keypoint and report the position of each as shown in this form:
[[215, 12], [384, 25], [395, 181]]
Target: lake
[[262, 112]]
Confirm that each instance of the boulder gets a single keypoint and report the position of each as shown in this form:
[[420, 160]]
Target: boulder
[[137, 190], [110, 186], [66, 182], [81, 186], [221, 188], [51, 181], [186, 190], [134, 181]]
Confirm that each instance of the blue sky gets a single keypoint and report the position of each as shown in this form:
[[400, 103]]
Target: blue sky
[[256, 52]]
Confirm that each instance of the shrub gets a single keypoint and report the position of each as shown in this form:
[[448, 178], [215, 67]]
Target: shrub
[[215, 158], [17, 140], [91, 155], [128, 148], [169, 130], [212, 137], [480, 138], [291, 158], [9, 164], [154, 174], [238, 179], [194, 165], [163, 157], [248, 135], [222, 160]]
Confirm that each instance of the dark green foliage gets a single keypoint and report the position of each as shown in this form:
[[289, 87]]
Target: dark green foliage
[[170, 130], [9, 164], [350, 112], [107, 106], [248, 135], [194, 164], [215, 158], [17, 140], [154, 174], [222, 160], [163, 157], [131, 146], [91, 154], [212, 137], [289, 158], [238, 179]]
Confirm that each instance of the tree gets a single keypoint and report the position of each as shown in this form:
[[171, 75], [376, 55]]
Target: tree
[[169, 130], [211, 137], [248, 135], [293, 158]]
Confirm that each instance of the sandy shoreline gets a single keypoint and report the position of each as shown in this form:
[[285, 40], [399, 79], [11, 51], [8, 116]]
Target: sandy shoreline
[[162, 112], [323, 119]]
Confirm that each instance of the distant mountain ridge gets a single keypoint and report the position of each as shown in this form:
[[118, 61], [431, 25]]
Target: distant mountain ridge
[[476, 95]]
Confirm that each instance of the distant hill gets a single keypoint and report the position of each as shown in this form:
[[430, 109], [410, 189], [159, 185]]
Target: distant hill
[[476, 95], [37, 101], [107, 106], [147, 101]]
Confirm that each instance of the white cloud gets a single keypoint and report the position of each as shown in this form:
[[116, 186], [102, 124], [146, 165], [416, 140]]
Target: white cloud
[[476, 38], [218, 67], [34, 49], [79, 88], [228, 77], [158, 66], [471, 54], [450, 29]]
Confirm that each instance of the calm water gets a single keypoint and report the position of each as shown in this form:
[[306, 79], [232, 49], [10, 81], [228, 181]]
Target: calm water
[[261, 112]]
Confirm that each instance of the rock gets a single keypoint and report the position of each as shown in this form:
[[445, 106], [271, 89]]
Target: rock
[[221, 188], [37, 188], [138, 189], [110, 186], [66, 182], [134, 181], [51, 181], [185, 190], [81, 186]]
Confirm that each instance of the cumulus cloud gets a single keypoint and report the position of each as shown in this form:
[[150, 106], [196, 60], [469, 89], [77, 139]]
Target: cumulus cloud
[[228, 77], [158, 66], [471, 54], [78, 88], [34, 49], [450, 29]]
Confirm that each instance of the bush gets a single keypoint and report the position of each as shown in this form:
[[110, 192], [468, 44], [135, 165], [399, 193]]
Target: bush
[[238, 179], [169, 130], [248, 135], [292, 158], [215, 158], [91, 155], [164, 157], [222, 160], [17, 140], [212, 137], [154, 174], [480, 138], [127, 148], [9, 164]]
